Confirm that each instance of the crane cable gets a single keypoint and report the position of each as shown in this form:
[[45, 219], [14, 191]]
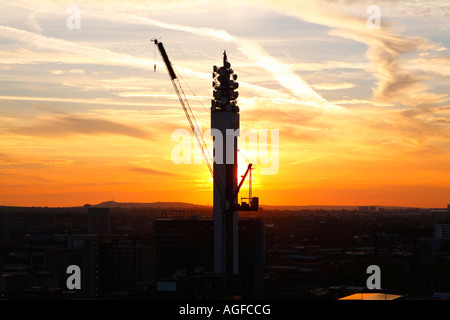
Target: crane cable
[[193, 93], [196, 129], [198, 134], [203, 143]]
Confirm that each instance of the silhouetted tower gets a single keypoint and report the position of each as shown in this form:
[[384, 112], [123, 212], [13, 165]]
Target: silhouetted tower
[[225, 119]]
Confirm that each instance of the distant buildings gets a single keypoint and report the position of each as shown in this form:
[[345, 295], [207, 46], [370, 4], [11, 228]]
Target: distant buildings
[[109, 264], [368, 208], [310, 255]]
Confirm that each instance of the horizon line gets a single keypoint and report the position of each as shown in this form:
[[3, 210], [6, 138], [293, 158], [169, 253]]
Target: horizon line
[[210, 206]]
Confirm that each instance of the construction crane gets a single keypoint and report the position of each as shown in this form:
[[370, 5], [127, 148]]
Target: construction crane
[[186, 106], [253, 201]]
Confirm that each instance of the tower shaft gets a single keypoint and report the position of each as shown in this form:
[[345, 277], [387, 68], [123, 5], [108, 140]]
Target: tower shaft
[[225, 123], [225, 174]]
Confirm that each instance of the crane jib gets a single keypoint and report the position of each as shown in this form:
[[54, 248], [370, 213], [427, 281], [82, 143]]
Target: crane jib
[[166, 60]]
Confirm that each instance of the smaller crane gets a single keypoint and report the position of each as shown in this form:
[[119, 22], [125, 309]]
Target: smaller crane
[[253, 201]]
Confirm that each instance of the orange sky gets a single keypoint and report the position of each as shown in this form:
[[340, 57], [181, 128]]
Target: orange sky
[[362, 114]]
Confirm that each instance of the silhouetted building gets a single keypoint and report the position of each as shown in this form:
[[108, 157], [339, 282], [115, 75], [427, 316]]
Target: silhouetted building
[[251, 258], [123, 266], [98, 221], [13, 285], [82, 251], [35, 244], [182, 244]]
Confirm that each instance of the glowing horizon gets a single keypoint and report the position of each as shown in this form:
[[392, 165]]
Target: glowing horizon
[[363, 113]]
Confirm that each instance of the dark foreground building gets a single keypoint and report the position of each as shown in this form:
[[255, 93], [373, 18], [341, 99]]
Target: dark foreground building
[[184, 249]]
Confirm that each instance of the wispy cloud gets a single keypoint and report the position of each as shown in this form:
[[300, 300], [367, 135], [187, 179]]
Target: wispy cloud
[[385, 47], [151, 171], [79, 53], [95, 101], [347, 18], [67, 125], [33, 22], [285, 76], [333, 86], [396, 83], [280, 71]]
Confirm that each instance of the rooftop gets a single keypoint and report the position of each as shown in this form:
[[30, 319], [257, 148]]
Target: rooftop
[[371, 296]]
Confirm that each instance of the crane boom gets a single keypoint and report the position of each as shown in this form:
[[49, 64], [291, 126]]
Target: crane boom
[[187, 110], [166, 60]]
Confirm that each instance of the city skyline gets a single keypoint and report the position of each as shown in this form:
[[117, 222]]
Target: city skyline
[[362, 112]]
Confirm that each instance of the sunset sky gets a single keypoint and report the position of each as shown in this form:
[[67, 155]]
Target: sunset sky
[[363, 113]]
